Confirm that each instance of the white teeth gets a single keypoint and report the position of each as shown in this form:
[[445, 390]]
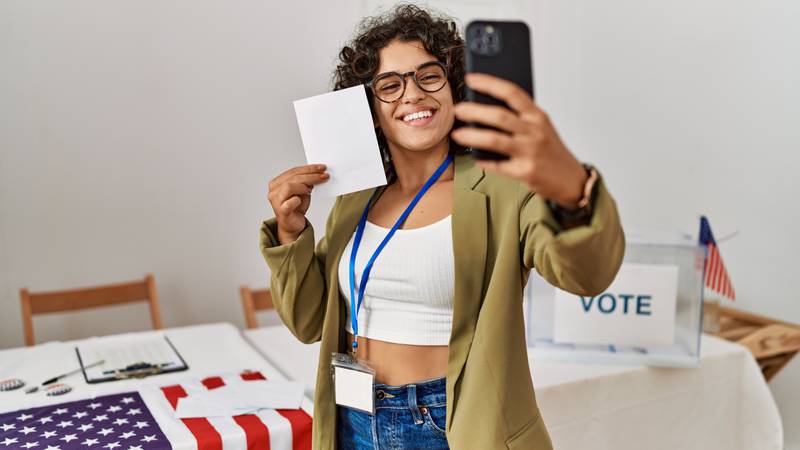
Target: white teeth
[[418, 115]]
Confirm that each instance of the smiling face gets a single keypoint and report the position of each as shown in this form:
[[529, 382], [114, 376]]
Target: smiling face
[[419, 121]]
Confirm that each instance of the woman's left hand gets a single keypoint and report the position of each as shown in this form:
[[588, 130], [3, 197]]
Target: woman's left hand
[[537, 157]]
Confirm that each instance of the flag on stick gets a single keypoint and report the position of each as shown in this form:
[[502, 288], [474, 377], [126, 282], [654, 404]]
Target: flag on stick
[[716, 277]]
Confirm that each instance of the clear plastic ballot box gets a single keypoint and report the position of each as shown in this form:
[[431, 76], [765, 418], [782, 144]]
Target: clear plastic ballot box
[[650, 315]]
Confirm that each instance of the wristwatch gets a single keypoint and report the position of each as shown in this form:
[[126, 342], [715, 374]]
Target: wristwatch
[[582, 214]]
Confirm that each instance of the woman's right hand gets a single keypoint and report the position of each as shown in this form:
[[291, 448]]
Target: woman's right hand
[[290, 195]]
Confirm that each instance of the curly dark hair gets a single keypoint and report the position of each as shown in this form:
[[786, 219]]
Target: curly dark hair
[[359, 59]]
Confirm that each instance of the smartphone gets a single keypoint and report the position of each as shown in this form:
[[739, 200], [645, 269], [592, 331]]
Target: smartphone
[[502, 49]]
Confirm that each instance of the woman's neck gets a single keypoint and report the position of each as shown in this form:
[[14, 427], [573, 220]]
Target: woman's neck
[[413, 168]]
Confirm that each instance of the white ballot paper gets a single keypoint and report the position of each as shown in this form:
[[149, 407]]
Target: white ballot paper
[[241, 398], [337, 130], [123, 350]]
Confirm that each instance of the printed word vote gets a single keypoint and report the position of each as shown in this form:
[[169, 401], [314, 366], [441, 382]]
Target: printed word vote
[[608, 303]]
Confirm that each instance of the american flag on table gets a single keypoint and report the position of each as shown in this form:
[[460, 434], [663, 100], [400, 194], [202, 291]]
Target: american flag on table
[[716, 277], [144, 420]]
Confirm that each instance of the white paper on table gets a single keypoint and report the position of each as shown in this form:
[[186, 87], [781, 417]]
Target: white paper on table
[[241, 398], [120, 351], [338, 131]]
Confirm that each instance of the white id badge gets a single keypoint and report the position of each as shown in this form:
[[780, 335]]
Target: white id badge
[[353, 381]]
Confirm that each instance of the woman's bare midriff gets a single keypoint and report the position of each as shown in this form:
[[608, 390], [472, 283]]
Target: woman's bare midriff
[[398, 364]]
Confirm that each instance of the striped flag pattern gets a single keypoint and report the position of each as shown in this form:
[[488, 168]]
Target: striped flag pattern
[[145, 420], [267, 430], [716, 277]]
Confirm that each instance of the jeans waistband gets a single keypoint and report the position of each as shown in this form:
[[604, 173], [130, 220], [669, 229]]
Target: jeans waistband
[[426, 393]]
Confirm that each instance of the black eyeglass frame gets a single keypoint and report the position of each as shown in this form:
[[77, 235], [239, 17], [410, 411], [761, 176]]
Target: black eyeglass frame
[[413, 74]]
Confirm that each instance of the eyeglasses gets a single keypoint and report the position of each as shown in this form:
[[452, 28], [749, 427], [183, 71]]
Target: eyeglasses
[[390, 86]]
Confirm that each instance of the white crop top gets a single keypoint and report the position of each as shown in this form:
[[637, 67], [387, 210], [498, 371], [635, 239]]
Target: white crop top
[[409, 296]]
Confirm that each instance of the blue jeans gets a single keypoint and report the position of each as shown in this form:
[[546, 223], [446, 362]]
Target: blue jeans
[[406, 417]]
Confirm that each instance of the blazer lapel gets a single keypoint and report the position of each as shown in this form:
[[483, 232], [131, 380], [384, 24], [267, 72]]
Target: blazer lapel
[[470, 235]]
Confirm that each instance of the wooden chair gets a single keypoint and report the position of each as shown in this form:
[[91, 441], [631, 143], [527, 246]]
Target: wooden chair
[[88, 297], [252, 301]]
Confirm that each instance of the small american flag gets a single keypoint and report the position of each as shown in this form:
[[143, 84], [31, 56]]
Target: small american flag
[[144, 420], [716, 277]]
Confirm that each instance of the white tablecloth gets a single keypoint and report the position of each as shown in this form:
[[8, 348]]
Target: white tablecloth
[[209, 350], [722, 404], [297, 361]]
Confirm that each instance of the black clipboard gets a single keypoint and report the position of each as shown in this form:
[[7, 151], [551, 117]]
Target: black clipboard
[[135, 369]]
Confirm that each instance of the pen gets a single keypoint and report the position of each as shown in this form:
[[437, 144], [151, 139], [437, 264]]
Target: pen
[[56, 378]]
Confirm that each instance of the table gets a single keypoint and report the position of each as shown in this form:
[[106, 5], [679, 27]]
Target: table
[[216, 354], [296, 360], [724, 403]]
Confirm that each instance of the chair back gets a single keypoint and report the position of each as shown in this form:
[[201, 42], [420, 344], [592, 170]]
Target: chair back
[[88, 297], [253, 301]]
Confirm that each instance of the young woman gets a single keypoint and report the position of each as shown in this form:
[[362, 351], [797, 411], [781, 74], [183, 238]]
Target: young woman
[[441, 321]]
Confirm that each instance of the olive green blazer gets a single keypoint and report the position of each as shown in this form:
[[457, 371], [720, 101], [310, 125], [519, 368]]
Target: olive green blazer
[[500, 232]]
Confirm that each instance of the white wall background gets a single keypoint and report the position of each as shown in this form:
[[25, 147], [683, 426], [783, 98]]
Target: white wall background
[[139, 136]]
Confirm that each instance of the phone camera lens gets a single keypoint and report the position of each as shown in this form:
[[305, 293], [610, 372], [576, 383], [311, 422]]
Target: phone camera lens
[[485, 40]]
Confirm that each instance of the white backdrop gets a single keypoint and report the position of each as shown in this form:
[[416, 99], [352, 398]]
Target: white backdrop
[[139, 136]]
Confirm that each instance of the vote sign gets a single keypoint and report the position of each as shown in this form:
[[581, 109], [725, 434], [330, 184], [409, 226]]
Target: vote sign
[[638, 309]]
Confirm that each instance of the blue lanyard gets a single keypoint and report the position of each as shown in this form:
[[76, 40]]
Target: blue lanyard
[[356, 306]]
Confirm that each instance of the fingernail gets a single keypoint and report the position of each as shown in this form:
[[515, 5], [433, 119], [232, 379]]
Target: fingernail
[[321, 167]]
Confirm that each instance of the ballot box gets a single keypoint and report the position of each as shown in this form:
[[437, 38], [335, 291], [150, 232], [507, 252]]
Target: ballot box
[[650, 315]]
